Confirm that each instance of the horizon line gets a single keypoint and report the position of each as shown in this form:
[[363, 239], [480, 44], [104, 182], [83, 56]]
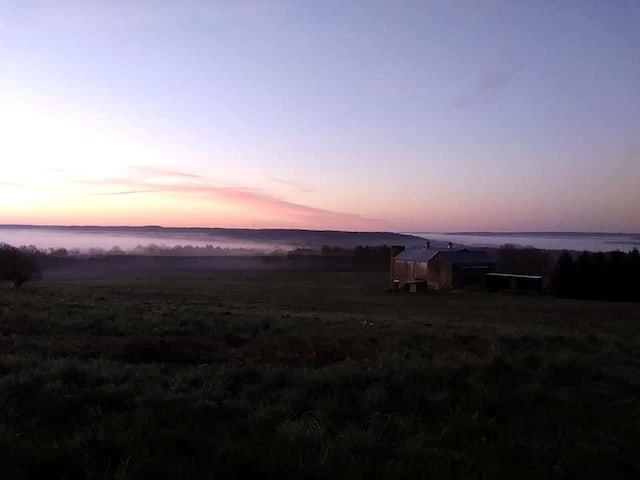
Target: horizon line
[[400, 232]]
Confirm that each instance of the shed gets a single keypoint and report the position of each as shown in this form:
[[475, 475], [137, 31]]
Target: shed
[[438, 269], [515, 283]]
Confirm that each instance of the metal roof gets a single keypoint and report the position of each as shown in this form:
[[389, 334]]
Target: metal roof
[[513, 275], [459, 257], [417, 254]]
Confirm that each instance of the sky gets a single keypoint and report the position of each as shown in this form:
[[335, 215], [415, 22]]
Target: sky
[[354, 115]]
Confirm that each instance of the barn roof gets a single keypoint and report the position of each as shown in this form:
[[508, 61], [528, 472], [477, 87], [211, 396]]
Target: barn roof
[[417, 254], [459, 257]]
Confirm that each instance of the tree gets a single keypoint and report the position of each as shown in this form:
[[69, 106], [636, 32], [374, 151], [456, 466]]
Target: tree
[[18, 266], [562, 277]]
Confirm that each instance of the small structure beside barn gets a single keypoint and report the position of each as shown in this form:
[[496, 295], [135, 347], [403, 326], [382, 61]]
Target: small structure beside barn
[[439, 269], [510, 282]]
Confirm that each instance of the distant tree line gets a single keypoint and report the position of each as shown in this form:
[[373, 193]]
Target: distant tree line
[[598, 276], [193, 250], [361, 255]]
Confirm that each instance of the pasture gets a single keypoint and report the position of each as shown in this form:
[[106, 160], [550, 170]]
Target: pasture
[[312, 375]]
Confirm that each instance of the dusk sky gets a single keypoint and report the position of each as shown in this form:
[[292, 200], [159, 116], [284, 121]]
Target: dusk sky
[[358, 115]]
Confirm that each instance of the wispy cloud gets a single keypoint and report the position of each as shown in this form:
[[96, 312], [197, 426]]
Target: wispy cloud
[[27, 186], [165, 172], [292, 185], [125, 192], [60, 171], [488, 84]]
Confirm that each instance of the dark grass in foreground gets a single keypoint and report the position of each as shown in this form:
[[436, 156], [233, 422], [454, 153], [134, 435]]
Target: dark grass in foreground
[[290, 375]]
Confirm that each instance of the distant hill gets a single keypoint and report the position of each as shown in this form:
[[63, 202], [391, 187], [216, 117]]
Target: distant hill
[[548, 234], [292, 237]]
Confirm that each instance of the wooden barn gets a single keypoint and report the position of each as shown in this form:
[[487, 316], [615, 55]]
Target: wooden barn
[[435, 269]]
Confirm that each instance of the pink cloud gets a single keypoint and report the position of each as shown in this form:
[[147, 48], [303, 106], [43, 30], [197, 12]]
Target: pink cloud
[[272, 208]]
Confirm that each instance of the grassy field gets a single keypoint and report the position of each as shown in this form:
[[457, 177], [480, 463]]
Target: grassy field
[[323, 375]]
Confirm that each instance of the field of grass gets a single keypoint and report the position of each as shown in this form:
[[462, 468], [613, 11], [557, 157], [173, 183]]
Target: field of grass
[[312, 375]]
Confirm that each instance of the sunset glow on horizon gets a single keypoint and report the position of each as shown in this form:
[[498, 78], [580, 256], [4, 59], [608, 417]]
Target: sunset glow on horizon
[[408, 116]]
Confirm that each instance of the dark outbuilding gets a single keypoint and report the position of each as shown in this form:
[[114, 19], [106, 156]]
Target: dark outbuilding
[[515, 283]]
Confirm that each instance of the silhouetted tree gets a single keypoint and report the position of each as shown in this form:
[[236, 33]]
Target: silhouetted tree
[[562, 277], [527, 261]]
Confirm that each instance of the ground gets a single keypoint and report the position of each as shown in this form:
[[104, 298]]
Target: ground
[[312, 375]]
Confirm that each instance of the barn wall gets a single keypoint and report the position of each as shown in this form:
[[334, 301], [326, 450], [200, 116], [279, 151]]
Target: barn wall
[[440, 275], [409, 271], [400, 271]]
